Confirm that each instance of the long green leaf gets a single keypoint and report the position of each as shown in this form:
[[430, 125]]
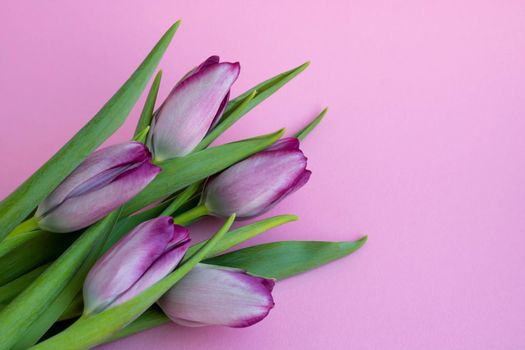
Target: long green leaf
[[41, 248], [264, 90], [152, 318], [244, 233], [9, 291], [25, 198], [13, 242], [288, 258], [92, 330], [60, 304], [18, 316], [181, 172], [308, 128], [149, 105]]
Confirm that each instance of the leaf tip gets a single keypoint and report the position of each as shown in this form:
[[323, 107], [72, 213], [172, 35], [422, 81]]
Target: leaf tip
[[171, 31], [294, 72], [279, 133], [227, 225], [274, 136], [287, 218], [363, 239], [292, 217], [231, 219], [352, 246]]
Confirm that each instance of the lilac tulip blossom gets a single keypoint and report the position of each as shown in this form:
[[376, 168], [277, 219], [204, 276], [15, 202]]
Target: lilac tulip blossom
[[220, 296], [256, 184], [192, 108], [105, 180], [142, 258]]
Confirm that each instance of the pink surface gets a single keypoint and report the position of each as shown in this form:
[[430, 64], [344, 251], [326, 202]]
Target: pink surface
[[422, 150]]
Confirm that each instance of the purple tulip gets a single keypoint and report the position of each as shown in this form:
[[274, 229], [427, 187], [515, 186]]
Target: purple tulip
[[255, 185], [105, 180], [216, 295], [192, 108], [142, 258]]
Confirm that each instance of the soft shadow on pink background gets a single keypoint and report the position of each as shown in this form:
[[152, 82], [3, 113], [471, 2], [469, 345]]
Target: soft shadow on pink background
[[422, 150]]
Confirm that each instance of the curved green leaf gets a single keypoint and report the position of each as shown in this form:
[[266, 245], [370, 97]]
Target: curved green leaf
[[59, 305], [9, 291], [264, 90], [287, 258], [244, 233], [149, 106], [17, 317], [152, 318], [308, 128], [30, 250]]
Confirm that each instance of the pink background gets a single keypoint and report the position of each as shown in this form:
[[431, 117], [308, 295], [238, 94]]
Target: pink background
[[422, 150]]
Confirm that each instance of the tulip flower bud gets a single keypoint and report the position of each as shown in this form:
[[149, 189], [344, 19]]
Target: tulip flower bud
[[256, 184], [139, 260], [192, 108], [105, 180], [215, 295]]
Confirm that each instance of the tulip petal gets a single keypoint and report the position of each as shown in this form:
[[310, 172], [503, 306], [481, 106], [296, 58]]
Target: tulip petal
[[208, 62], [81, 211], [88, 173], [216, 295], [252, 186], [300, 181], [287, 143], [222, 107], [188, 112], [161, 267], [125, 263]]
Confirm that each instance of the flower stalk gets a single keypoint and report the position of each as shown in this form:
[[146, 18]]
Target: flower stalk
[[191, 215], [29, 225]]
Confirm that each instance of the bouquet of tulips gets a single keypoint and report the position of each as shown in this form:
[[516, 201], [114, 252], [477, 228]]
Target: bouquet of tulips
[[96, 244]]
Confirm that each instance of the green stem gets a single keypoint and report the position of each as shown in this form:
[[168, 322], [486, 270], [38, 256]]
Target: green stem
[[191, 215], [10, 290], [27, 226], [181, 199]]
